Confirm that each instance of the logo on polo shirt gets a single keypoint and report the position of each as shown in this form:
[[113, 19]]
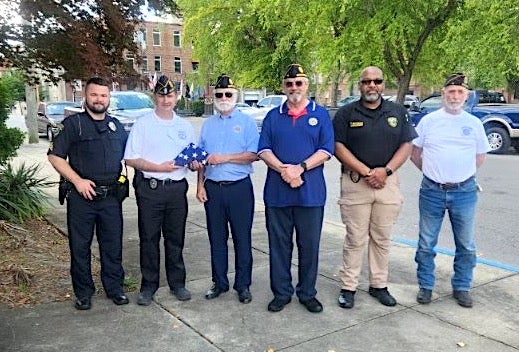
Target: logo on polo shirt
[[312, 121], [392, 121], [237, 129], [356, 124]]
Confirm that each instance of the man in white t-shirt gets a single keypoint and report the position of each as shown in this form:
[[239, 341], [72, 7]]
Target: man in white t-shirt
[[160, 188], [451, 146]]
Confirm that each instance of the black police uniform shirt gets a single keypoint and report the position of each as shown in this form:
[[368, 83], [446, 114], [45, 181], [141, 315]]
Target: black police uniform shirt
[[94, 148], [373, 135]]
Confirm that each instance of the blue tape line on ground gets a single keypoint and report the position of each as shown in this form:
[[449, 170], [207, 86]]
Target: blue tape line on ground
[[413, 243]]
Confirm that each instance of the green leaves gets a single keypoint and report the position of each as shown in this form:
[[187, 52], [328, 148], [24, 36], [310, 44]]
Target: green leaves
[[22, 193]]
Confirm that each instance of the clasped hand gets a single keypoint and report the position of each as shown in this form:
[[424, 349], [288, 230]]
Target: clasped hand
[[291, 174]]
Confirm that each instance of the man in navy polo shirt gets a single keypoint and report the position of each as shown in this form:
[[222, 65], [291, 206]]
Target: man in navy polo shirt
[[296, 140]]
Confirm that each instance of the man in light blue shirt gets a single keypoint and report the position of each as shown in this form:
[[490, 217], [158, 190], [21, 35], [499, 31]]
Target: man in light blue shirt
[[224, 186]]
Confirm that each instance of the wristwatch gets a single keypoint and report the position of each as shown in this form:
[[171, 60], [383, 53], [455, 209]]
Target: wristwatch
[[303, 165], [389, 172]]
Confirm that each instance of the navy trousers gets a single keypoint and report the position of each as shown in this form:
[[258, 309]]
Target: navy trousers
[[281, 222], [230, 204], [105, 215], [162, 210]]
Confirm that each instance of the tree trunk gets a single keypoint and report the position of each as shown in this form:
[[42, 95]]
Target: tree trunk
[[31, 99]]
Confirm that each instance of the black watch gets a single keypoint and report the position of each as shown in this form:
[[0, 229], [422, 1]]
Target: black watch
[[303, 165], [389, 172]]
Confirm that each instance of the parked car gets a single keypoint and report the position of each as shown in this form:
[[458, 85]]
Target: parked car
[[409, 100], [126, 106], [501, 120], [50, 115], [265, 105], [246, 108], [347, 100]]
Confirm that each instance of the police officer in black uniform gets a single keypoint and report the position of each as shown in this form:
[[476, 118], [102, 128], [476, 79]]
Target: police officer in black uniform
[[93, 142]]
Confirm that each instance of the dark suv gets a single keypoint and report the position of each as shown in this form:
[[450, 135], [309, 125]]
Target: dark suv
[[50, 115]]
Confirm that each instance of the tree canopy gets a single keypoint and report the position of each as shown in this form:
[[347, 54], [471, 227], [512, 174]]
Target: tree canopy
[[71, 39]]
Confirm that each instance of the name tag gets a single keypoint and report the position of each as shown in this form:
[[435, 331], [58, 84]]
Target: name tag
[[355, 124]]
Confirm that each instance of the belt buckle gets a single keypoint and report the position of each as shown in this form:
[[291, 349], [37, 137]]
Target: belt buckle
[[101, 192], [153, 183], [447, 186]]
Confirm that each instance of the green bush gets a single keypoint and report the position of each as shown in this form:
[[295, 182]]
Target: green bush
[[181, 103], [21, 193], [197, 106], [10, 138]]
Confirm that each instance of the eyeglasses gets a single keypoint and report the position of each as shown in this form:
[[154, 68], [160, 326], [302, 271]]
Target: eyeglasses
[[289, 84], [220, 95], [377, 81]]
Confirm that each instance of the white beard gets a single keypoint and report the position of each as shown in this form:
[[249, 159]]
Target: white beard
[[223, 106]]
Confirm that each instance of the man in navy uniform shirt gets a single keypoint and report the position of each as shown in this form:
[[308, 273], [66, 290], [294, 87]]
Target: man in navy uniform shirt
[[93, 142]]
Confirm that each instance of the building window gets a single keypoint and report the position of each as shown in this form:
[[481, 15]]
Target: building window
[[144, 66], [130, 59], [194, 66], [156, 37], [176, 39], [178, 65], [157, 63]]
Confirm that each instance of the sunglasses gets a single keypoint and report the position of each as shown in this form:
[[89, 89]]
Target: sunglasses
[[220, 95], [290, 84], [377, 81]]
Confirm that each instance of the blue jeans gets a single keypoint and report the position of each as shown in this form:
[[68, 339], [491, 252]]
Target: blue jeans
[[460, 202]]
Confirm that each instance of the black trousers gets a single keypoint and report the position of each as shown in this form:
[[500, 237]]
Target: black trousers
[[162, 210], [105, 215], [230, 204]]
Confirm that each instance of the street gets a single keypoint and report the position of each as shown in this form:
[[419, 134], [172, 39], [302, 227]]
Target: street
[[497, 219]]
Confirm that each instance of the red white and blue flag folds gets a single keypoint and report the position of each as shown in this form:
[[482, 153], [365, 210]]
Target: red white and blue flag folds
[[191, 153]]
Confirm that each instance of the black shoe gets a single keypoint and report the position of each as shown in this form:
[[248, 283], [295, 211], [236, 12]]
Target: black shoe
[[83, 303], [214, 292], [346, 299], [120, 299], [312, 305], [245, 296], [424, 296], [463, 298], [145, 298], [181, 293], [383, 296], [277, 304]]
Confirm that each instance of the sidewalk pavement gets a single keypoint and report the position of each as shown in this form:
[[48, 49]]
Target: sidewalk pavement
[[224, 324]]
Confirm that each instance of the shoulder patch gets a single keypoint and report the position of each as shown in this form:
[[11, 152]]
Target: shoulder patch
[[392, 121]]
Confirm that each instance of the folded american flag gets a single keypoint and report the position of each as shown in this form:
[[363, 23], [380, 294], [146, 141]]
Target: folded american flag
[[189, 154]]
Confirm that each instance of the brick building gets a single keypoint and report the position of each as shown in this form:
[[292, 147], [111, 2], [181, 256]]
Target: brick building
[[162, 51]]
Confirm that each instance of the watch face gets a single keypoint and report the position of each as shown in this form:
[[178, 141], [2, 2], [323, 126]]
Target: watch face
[[389, 172]]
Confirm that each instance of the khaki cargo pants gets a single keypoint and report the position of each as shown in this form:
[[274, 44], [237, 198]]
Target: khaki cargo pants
[[369, 215]]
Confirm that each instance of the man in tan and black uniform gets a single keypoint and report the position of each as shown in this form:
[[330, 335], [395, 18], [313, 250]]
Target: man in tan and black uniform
[[372, 140]]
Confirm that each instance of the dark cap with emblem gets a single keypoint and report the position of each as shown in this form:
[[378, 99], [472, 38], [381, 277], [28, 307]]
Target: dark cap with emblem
[[456, 79], [294, 71], [164, 86], [224, 81]]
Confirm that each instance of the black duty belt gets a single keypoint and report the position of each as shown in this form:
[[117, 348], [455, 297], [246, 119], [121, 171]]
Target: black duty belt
[[153, 183], [104, 191], [225, 183], [450, 185]]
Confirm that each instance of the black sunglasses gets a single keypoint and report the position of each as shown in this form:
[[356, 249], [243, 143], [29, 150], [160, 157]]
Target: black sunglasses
[[220, 95], [377, 81], [289, 84]]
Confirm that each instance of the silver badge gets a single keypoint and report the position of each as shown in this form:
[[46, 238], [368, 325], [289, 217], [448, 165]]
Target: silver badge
[[111, 125], [153, 183], [312, 121]]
